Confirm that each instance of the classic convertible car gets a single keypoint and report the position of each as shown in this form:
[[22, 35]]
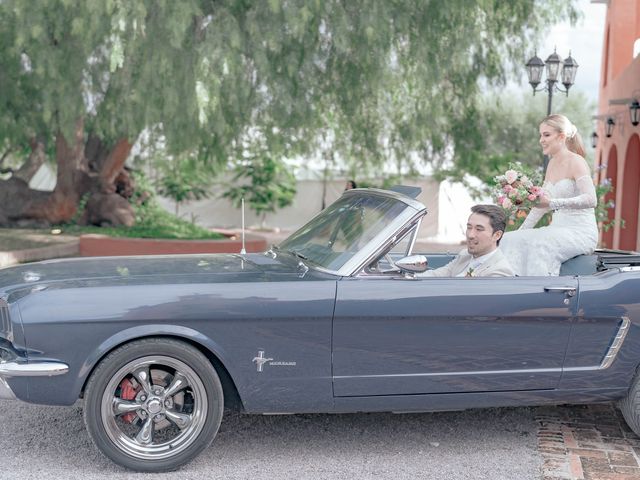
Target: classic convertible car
[[334, 319]]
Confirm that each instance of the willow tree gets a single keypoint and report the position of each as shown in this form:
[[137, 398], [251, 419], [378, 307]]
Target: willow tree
[[80, 80]]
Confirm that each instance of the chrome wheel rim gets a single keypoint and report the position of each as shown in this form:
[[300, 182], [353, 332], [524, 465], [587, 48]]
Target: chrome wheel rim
[[154, 407]]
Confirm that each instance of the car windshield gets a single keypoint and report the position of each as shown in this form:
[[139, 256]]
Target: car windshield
[[334, 236]]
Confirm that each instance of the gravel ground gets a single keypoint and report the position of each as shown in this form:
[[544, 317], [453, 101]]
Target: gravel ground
[[50, 443]]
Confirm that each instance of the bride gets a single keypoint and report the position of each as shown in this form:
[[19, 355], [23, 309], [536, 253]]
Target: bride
[[570, 194]]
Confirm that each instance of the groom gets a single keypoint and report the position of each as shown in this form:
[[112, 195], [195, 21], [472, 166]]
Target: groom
[[482, 257]]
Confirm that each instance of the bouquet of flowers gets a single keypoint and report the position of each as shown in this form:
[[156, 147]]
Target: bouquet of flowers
[[517, 190]]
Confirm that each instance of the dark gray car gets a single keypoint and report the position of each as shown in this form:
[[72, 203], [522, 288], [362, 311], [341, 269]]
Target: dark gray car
[[332, 320]]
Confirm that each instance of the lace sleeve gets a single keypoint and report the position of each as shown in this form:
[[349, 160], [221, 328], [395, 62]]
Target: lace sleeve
[[534, 216], [586, 199]]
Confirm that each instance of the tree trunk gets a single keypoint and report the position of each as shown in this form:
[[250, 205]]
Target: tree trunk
[[71, 183], [36, 159], [77, 177]]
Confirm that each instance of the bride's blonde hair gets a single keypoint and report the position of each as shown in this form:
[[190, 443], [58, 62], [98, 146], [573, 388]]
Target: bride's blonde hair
[[562, 124]]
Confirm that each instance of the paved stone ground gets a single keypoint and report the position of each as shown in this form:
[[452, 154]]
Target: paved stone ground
[[27, 245], [590, 442]]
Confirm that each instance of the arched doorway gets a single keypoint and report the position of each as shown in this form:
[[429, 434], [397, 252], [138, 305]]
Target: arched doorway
[[631, 195], [612, 175]]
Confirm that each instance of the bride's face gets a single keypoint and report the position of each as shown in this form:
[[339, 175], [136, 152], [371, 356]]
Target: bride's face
[[551, 141]]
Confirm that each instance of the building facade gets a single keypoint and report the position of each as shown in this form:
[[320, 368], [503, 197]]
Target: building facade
[[617, 153]]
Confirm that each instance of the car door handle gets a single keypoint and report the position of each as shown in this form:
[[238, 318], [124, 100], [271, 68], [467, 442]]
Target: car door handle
[[569, 291]]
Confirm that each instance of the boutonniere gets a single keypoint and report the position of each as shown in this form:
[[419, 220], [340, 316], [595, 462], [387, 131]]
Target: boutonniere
[[469, 272]]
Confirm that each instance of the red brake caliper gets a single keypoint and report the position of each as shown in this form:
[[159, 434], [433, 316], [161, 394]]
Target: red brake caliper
[[128, 392]]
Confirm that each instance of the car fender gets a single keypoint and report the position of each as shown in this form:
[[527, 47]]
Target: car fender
[[145, 331]]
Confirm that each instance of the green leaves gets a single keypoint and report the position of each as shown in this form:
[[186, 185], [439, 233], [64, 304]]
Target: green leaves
[[183, 180], [397, 77], [272, 185]]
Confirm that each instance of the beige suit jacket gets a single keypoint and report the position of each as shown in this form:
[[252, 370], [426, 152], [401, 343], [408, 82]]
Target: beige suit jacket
[[496, 266]]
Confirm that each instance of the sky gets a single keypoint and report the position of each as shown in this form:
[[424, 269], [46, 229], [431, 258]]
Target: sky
[[585, 41]]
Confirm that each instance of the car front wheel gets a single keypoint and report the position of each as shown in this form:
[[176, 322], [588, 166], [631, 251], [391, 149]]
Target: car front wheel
[[153, 404]]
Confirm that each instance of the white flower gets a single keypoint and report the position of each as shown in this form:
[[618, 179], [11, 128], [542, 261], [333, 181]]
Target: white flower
[[511, 176]]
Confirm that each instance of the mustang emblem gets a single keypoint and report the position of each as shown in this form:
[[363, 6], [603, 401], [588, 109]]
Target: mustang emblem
[[261, 360]]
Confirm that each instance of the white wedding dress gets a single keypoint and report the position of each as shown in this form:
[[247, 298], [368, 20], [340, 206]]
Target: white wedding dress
[[573, 230]]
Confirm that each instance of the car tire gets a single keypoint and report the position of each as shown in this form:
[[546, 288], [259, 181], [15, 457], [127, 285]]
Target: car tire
[[630, 406], [153, 404]]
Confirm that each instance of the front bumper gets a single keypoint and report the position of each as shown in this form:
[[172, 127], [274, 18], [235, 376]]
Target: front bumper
[[14, 369]]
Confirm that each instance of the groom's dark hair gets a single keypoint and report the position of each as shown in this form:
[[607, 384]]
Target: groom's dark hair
[[496, 214]]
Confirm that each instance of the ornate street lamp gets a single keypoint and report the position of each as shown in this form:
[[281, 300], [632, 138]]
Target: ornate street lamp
[[535, 66]]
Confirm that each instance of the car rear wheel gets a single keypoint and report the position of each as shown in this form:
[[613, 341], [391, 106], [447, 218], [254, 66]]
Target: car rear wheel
[[630, 405], [153, 404]]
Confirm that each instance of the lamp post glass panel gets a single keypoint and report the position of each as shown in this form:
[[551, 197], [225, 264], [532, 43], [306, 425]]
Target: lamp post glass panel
[[535, 67], [634, 112]]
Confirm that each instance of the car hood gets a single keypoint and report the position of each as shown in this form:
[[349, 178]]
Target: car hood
[[232, 266]]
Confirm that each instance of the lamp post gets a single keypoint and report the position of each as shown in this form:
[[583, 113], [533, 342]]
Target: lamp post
[[535, 67]]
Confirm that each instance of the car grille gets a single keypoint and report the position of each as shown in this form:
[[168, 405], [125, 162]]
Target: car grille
[[5, 320]]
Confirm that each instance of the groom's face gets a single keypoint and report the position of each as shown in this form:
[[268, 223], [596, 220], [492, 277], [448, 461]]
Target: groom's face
[[481, 239]]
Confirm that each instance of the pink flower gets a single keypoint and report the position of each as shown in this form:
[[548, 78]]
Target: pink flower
[[501, 199], [532, 197], [511, 176], [507, 204], [507, 188], [537, 191]]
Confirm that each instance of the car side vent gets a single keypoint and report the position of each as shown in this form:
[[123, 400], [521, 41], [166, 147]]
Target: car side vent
[[5, 320]]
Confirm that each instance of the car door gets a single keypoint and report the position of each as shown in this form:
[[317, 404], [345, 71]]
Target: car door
[[394, 336]]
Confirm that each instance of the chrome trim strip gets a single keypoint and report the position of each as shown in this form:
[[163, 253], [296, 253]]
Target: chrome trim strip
[[5, 391], [414, 236], [43, 369], [447, 374], [630, 269], [611, 354]]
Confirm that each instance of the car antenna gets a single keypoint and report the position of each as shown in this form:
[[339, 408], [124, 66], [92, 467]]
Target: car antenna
[[242, 250]]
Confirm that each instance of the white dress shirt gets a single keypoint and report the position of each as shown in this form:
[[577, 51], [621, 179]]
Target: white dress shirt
[[475, 262]]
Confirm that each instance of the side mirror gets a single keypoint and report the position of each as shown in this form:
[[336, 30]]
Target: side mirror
[[413, 263]]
